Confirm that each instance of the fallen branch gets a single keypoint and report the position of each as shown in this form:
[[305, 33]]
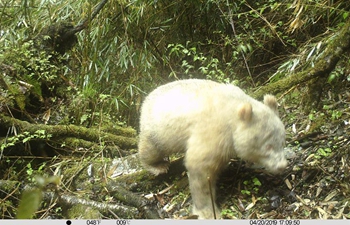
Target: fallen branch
[[61, 131], [70, 200]]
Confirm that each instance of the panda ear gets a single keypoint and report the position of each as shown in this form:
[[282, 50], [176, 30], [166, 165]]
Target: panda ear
[[271, 102], [245, 112]]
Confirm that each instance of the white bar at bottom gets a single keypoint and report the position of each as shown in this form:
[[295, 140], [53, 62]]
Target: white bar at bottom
[[174, 222]]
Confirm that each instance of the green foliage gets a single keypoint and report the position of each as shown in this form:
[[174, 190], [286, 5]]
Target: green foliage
[[256, 182], [31, 198], [24, 137], [196, 63], [89, 108], [27, 70], [334, 114], [252, 184], [337, 74], [133, 46], [32, 64], [30, 202], [312, 116], [228, 213], [245, 192], [323, 152], [303, 16], [32, 173], [179, 198]]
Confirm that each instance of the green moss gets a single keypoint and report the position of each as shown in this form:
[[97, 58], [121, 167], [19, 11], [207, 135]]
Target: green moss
[[80, 211]]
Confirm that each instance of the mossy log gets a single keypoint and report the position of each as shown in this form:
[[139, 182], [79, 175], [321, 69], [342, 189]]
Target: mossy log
[[324, 65], [71, 135]]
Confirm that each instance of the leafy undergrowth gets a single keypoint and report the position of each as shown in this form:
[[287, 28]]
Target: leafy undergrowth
[[314, 186]]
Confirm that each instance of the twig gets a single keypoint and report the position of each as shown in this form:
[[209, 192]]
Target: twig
[[211, 198]]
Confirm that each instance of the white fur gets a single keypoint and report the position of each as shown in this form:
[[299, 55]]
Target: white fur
[[211, 123]]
